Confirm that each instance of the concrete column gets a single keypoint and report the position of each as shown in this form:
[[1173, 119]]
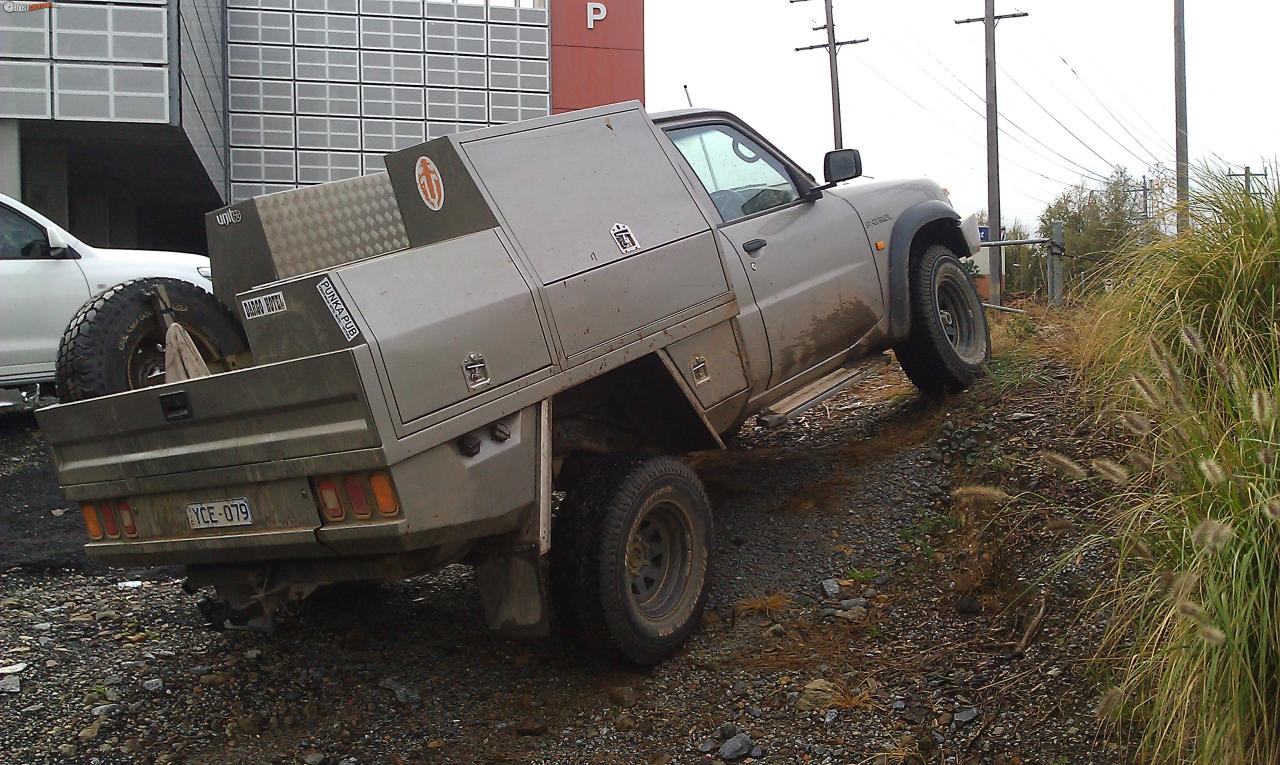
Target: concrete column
[[10, 159], [44, 176]]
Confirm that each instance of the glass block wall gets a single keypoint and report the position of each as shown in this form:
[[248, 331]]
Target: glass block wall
[[319, 90], [94, 61]]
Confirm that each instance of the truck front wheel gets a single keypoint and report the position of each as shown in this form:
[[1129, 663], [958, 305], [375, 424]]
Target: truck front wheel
[[949, 341], [630, 557]]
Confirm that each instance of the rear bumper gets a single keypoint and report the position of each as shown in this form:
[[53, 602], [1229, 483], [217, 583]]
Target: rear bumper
[[340, 541], [225, 548]]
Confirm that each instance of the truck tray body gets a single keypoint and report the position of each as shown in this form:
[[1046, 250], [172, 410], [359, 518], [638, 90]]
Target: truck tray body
[[393, 314]]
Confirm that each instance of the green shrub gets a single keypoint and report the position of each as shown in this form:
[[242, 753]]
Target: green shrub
[[1185, 353]]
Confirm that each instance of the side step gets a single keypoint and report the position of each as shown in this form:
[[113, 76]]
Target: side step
[[786, 410]]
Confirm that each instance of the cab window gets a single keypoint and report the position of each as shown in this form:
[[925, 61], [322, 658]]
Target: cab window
[[741, 177], [20, 239]]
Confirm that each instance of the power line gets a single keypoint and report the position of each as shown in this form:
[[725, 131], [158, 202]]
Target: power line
[[1076, 166], [1060, 123], [1083, 112], [966, 136], [1124, 124], [1150, 129]]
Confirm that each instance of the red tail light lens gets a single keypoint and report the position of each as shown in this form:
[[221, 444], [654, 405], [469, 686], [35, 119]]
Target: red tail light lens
[[330, 502], [126, 520], [108, 514], [362, 495], [357, 496]]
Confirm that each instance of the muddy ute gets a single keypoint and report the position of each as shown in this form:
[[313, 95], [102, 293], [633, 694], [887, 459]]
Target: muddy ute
[[492, 352]]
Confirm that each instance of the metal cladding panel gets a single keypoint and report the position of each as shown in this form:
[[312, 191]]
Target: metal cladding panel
[[465, 297], [437, 196], [26, 86], [600, 62], [24, 35], [622, 298], [110, 93], [563, 187]]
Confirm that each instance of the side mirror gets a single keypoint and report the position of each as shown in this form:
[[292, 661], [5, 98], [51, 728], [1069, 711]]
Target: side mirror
[[842, 165], [58, 243]]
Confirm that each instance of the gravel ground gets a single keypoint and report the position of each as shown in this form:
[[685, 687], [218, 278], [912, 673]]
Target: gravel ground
[[859, 614], [38, 529]]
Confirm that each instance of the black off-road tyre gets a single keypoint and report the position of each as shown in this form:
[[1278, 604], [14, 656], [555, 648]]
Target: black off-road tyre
[[950, 342], [631, 557], [115, 340]]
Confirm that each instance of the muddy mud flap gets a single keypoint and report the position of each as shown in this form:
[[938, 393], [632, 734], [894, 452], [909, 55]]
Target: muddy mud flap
[[513, 592]]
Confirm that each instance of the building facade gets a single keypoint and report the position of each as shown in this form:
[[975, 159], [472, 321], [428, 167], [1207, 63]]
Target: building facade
[[126, 120]]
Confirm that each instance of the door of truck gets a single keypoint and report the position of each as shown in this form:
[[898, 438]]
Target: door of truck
[[809, 263]]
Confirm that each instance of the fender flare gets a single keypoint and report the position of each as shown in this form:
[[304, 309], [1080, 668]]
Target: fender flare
[[909, 224]]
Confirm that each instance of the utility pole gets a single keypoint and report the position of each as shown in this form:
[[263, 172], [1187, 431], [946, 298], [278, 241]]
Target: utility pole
[[833, 48], [1180, 113], [995, 257], [1145, 188], [1248, 175]]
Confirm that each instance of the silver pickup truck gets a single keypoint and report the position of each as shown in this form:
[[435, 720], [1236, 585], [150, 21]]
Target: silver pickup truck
[[491, 353]]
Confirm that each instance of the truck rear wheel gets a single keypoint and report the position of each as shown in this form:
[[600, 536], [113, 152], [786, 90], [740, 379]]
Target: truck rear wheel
[[949, 341], [115, 342], [630, 557]]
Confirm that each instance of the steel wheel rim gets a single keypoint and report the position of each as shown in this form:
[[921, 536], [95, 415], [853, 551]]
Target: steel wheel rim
[[956, 317], [659, 561], [145, 365]]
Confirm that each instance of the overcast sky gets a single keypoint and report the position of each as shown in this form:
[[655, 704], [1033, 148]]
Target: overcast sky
[[912, 95]]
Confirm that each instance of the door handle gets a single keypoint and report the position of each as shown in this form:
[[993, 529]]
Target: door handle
[[754, 245]]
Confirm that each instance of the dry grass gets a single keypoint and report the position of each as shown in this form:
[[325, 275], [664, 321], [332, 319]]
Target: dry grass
[[846, 697], [804, 645], [772, 605]]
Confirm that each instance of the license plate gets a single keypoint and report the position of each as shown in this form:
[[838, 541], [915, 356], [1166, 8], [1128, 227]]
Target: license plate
[[219, 513]]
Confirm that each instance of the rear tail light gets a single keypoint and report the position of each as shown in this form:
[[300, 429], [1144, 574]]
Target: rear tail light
[[357, 497], [384, 494], [108, 515], [126, 520], [91, 523], [330, 502], [360, 494]]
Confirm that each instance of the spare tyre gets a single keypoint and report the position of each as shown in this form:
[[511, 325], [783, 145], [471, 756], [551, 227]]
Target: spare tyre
[[115, 342]]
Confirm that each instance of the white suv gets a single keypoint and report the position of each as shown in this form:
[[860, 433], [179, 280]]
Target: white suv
[[46, 275]]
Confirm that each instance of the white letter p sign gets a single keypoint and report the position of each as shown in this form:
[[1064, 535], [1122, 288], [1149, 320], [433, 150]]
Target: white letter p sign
[[595, 12]]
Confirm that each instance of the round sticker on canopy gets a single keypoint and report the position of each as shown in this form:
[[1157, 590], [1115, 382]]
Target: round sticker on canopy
[[430, 183]]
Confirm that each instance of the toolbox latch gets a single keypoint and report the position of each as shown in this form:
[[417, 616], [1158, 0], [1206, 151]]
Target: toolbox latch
[[175, 406]]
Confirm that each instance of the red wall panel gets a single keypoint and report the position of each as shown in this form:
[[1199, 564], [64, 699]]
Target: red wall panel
[[600, 65]]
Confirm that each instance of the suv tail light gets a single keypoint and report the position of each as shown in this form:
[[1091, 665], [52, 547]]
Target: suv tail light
[[359, 494], [330, 502], [126, 520], [108, 515], [384, 494], [92, 525]]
